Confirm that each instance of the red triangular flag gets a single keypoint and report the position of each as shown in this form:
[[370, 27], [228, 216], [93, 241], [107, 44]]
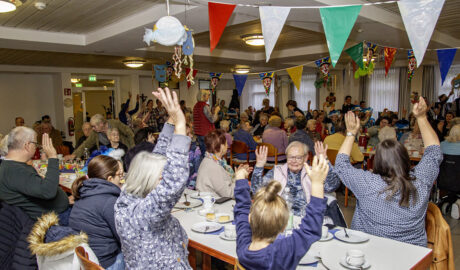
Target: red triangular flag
[[187, 71], [218, 18], [389, 55]]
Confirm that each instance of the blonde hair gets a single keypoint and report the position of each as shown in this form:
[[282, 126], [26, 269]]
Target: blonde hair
[[454, 134], [202, 93], [110, 130], [311, 122], [144, 174], [274, 121], [290, 122], [387, 133], [96, 119], [224, 124], [269, 213], [4, 146]]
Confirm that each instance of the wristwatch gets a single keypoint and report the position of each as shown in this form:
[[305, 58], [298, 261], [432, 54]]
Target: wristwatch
[[350, 134]]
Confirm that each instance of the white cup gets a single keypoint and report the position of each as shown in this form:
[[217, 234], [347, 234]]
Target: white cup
[[230, 231], [60, 156], [324, 232], [208, 202], [355, 257], [415, 154]]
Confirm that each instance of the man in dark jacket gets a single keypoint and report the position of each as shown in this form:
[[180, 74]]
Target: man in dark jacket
[[301, 135]]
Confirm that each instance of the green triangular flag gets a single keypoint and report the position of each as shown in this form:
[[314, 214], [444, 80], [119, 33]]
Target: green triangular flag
[[356, 53], [337, 23]]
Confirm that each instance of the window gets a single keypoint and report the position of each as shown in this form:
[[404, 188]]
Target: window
[[383, 91], [254, 93], [447, 86], [307, 92]]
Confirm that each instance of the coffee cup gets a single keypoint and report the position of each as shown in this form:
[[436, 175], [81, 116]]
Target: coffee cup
[[230, 231], [208, 201], [324, 232], [415, 154], [355, 257]]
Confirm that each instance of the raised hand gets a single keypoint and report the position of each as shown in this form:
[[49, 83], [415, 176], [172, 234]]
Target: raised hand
[[320, 150], [318, 170], [352, 122], [171, 104], [420, 108], [242, 172], [261, 156], [48, 147]]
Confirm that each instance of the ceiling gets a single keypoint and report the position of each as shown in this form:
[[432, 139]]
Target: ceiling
[[102, 33]]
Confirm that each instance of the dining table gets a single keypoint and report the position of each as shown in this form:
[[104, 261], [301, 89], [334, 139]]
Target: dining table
[[380, 253]]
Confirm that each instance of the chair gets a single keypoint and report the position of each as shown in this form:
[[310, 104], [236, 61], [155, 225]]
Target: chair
[[85, 263], [238, 266], [332, 155], [272, 151], [240, 148]]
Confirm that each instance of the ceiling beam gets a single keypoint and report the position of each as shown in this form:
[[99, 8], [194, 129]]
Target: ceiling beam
[[13, 33]]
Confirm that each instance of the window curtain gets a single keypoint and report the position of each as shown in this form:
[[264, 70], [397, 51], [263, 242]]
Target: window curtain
[[307, 92], [447, 86], [428, 84], [363, 91], [404, 93], [254, 93], [383, 91]]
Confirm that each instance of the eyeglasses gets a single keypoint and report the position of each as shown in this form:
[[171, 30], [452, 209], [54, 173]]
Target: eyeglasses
[[295, 158], [36, 144]]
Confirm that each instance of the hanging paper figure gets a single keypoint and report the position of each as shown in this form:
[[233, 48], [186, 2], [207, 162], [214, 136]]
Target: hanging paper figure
[[160, 73], [187, 50], [368, 68], [411, 65], [169, 70], [168, 31], [330, 100], [189, 45], [267, 78], [456, 82], [324, 66], [215, 78]]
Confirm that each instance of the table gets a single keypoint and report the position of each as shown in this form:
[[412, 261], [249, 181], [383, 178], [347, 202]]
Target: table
[[66, 180], [381, 253]]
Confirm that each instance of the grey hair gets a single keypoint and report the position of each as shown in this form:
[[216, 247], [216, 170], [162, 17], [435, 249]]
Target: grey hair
[[110, 130], [224, 124], [19, 136], [4, 146], [144, 174], [202, 93], [243, 114], [96, 119], [387, 133], [298, 144]]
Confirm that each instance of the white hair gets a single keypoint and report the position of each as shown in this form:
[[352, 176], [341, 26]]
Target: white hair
[[96, 119], [4, 146], [387, 133], [144, 173], [19, 136], [301, 145]]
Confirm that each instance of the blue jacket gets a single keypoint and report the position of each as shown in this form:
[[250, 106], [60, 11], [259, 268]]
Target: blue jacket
[[302, 136], [94, 214], [246, 137]]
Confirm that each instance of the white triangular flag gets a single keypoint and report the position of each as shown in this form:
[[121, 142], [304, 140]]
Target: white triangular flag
[[420, 18], [272, 19]]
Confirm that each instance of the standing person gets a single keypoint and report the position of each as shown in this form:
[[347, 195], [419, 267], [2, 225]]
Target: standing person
[[293, 110], [203, 119], [267, 109], [151, 238], [149, 117], [125, 116], [393, 199], [161, 114], [347, 105]]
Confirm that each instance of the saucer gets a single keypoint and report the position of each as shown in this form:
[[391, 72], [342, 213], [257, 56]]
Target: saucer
[[353, 236], [193, 203], [206, 227], [327, 238], [309, 258], [344, 263], [222, 235]]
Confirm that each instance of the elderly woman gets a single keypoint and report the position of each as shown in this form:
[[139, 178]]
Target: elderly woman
[[203, 118], [225, 126], [243, 135], [114, 137], [289, 126], [311, 131], [261, 126], [411, 140], [151, 238], [393, 199], [451, 146], [214, 174], [276, 136]]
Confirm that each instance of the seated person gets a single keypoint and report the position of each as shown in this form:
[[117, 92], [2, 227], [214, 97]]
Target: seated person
[[374, 131], [277, 137], [225, 126], [114, 137], [21, 185], [93, 212], [311, 131], [262, 124], [257, 245], [289, 126], [243, 135], [86, 128], [145, 141], [301, 135], [412, 140], [335, 140], [53, 133], [451, 146], [214, 174]]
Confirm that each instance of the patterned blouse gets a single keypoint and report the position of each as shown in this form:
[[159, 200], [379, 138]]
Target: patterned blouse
[[151, 238], [375, 214]]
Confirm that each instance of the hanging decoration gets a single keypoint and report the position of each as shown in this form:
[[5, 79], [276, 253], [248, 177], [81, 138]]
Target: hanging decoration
[[411, 65], [177, 58], [272, 20], [456, 82], [188, 49], [296, 75], [215, 78], [368, 68], [160, 72], [389, 57], [267, 78], [218, 18], [168, 31], [240, 81], [190, 73], [445, 58], [420, 18], [337, 24], [356, 53], [324, 65]]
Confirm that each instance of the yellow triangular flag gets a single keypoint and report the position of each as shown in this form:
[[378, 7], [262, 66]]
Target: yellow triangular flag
[[296, 75]]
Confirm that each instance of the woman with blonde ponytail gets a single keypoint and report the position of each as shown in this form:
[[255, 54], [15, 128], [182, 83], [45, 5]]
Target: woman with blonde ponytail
[[258, 225]]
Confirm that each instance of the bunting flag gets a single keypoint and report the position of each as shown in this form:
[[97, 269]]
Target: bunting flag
[[337, 24], [389, 57], [296, 75], [215, 78], [240, 81], [420, 17], [267, 78], [187, 73], [411, 65], [445, 58], [160, 72], [272, 19], [356, 53], [218, 18], [324, 66]]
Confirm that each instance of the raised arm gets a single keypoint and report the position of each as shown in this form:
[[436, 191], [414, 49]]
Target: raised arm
[[429, 136], [258, 180], [353, 125], [242, 206], [332, 181]]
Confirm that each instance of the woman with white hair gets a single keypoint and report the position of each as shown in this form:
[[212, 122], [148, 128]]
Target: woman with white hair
[[151, 238], [451, 146]]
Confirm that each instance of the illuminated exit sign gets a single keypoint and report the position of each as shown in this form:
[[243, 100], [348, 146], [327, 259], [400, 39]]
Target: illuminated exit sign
[[92, 78]]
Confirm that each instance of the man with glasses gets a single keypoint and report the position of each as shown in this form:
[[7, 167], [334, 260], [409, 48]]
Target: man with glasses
[[21, 185]]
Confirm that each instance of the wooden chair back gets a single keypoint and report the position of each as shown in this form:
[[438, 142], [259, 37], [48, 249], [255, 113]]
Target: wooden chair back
[[238, 147], [331, 155], [85, 262], [238, 266]]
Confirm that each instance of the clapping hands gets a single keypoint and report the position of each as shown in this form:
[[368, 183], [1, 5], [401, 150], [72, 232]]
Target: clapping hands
[[243, 171]]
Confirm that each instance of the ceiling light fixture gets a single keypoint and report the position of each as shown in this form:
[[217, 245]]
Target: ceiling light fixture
[[242, 70], [254, 39], [134, 63], [74, 80], [7, 6]]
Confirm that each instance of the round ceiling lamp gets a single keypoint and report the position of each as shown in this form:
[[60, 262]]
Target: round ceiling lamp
[[242, 70], [74, 80], [134, 63], [254, 39], [7, 6]]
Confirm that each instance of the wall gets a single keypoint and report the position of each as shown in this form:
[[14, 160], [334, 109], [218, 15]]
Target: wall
[[27, 95]]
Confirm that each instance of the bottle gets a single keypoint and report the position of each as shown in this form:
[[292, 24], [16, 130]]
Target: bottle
[[86, 154]]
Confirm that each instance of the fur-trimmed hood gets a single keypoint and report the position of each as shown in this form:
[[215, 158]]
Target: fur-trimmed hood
[[64, 245]]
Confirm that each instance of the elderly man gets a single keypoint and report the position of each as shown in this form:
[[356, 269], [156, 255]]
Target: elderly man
[[374, 131], [99, 135], [21, 185], [203, 119], [86, 128], [296, 185], [53, 133], [19, 121], [301, 134], [335, 140]]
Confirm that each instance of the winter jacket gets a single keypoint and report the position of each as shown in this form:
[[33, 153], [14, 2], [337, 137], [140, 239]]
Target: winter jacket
[[55, 245], [15, 226], [94, 214]]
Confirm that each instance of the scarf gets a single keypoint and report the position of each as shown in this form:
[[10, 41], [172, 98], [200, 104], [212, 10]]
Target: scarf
[[222, 162]]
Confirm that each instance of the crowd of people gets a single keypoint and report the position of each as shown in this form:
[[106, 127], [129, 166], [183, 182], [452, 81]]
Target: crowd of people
[[122, 207]]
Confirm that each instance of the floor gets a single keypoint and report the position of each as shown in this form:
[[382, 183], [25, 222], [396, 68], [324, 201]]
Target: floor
[[453, 223]]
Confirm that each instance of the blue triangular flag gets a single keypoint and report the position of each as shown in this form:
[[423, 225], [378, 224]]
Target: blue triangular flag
[[160, 73], [445, 58], [240, 81]]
